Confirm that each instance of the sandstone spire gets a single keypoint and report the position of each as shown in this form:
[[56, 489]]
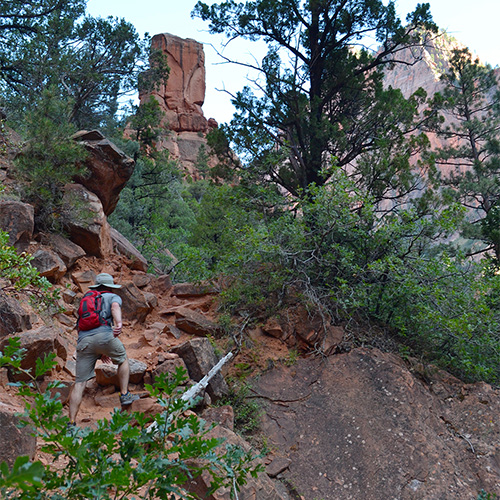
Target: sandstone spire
[[183, 96]]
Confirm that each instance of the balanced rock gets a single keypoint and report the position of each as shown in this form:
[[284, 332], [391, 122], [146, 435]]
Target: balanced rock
[[110, 168]]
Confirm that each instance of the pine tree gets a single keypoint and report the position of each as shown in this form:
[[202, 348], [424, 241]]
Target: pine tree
[[470, 104]]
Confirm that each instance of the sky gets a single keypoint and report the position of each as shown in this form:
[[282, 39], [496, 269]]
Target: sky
[[474, 23]]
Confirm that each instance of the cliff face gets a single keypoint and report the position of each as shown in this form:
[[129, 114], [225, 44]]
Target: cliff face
[[423, 68]]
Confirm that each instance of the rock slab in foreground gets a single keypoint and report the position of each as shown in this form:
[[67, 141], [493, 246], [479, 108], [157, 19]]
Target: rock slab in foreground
[[14, 441], [361, 426]]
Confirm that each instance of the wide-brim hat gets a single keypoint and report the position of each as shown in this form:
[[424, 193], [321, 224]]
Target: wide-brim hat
[[104, 279]]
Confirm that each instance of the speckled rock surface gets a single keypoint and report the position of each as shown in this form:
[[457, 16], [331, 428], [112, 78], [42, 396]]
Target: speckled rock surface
[[361, 425]]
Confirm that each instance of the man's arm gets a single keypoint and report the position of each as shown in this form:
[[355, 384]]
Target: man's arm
[[116, 312]]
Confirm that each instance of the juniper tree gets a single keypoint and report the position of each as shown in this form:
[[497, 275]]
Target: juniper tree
[[321, 98]]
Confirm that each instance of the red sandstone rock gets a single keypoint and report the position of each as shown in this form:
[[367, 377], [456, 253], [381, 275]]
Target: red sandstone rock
[[86, 221], [123, 247], [17, 219], [182, 97], [110, 168], [14, 440], [362, 426], [13, 318]]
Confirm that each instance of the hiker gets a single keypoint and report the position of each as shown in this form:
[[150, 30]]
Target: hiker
[[100, 342]]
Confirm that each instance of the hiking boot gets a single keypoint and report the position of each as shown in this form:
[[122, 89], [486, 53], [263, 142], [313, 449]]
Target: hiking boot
[[128, 399], [71, 429]]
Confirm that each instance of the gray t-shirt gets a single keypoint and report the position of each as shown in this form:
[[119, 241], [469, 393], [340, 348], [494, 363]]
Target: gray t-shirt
[[107, 299]]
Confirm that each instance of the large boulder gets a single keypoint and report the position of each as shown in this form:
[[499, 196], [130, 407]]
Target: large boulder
[[13, 318], [122, 246], [182, 98], [107, 374], [86, 221], [17, 219], [361, 425], [110, 168], [49, 265], [66, 249], [135, 304], [169, 366], [38, 343], [15, 441], [194, 322], [199, 357]]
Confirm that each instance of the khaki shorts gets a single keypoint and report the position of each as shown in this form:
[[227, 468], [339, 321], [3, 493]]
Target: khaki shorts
[[91, 348]]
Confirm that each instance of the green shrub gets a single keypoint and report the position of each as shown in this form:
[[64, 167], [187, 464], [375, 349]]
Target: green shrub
[[120, 457], [246, 411], [337, 254], [483, 495], [23, 276], [49, 159]]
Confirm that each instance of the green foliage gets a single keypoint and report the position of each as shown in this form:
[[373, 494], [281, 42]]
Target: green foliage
[[345, 257], [291, 357], [145, 123], [246, 411], [483, 495], [120, 457], [21, 23], [50, 158], [154, 213], [90, 61], [22, 275], [316, 97], [471, 100]]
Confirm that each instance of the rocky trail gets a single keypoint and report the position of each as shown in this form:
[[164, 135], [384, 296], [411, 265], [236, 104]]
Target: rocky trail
[[353, 423], [360, 424]]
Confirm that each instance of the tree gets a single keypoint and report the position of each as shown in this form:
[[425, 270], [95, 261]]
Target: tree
[[50, 158], [20, 22], [470, 102], [92, 61], [326, 103], [153, 211]]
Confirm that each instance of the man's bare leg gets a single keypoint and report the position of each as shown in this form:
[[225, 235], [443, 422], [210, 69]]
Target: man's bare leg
[[75, 400], [123, 376]]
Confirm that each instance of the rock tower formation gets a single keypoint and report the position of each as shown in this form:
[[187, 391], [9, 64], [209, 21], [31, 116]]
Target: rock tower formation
[[182, 98]]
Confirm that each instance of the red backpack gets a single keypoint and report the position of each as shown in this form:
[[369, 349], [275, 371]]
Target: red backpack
[[90, 311]]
